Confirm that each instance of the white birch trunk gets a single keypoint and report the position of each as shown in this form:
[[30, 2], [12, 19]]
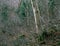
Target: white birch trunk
[[34, 12]]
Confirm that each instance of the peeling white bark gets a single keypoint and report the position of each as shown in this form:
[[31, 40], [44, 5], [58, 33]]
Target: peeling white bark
[[34, 12]]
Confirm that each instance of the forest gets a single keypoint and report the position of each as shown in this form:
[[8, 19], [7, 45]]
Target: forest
[[29, 22]]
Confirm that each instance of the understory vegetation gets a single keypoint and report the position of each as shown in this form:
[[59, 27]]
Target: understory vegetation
[[32, 23]]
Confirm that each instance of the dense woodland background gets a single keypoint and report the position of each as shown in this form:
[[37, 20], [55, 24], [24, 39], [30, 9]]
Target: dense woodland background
[[29, 22]]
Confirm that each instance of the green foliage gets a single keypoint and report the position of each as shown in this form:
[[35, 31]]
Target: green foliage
[[21, 10], [40, 38], [51, 4], [51, 8], [20, 41], [4, 12], [3, 31], [22, 36], [58, 43], [45, 35], [3, 44]]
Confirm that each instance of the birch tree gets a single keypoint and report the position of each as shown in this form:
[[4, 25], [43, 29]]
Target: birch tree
[[36, 13]]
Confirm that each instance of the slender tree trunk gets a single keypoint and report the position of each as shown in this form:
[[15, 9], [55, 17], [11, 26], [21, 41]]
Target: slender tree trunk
[[34, 12], [27, 13], [39, 18]]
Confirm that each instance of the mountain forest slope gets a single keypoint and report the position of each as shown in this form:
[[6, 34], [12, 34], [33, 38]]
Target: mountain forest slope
[[29, 22]]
